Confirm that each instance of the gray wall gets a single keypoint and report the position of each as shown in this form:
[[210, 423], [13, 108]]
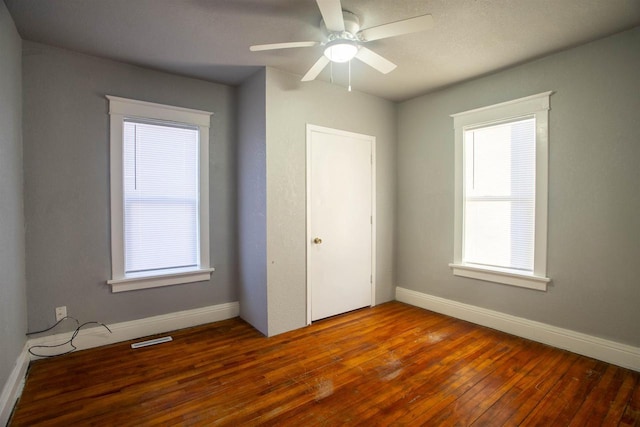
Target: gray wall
[[290, 106], [252, 203], [66, 162], [594, 201], [13, 308]]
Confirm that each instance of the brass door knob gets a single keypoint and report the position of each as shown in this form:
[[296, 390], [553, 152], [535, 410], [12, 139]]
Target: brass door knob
[[317, 240]]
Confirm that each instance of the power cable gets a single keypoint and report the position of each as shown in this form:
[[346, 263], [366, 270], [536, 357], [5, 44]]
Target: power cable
[[69, 341]]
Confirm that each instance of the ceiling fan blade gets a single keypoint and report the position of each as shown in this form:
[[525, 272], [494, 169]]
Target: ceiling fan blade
[[331, 11], [316, 69], [376, 61], [273, 46], [398, 28]]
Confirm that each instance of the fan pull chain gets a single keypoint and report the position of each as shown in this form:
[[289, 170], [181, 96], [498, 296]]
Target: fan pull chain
[[349, 75], [331, 70]]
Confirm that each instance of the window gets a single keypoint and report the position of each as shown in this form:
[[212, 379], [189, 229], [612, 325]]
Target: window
[[501, 156], [159, 195]]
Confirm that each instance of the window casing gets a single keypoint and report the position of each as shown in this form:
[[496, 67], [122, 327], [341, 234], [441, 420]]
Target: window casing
[[501, 170], [159, 195]]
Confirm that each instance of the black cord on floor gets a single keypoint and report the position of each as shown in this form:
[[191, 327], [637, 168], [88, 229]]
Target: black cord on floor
[[56, 324], [70, 341]]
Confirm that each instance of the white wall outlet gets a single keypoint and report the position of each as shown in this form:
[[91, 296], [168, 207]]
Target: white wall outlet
[[61, 313]]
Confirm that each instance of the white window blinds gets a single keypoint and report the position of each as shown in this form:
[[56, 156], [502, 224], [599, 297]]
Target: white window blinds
[[160, 197], [499, 195]]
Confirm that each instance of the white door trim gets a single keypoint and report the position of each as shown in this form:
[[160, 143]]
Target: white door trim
[[314, 128]]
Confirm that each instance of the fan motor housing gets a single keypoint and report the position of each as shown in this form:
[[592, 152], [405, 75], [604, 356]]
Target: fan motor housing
[[351, 26]]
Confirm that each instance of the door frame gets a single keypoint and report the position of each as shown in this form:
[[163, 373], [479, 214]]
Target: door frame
[[372, 139]]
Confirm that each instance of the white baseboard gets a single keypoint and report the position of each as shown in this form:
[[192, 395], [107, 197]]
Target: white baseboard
[[13, 386], [587, 345], [99, 336]]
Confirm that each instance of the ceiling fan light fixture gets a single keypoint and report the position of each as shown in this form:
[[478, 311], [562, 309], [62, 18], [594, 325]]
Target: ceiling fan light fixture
[[341, 50]]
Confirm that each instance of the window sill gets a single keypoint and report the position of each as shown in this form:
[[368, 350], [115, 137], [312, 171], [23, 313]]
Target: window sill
[[499, 276], [135, 283]]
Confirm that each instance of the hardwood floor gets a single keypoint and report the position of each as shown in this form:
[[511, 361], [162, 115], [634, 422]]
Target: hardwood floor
[[389, 365]]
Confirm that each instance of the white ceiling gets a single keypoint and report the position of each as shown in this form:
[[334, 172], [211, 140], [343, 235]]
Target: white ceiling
[[210, 39]]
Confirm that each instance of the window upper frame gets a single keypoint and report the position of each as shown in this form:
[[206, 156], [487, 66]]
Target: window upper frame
[[124, 108], [538, 107]]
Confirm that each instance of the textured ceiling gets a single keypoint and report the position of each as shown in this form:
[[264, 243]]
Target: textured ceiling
[[210, 39]]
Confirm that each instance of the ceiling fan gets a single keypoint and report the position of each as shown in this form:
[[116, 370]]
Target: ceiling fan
[[345, 39]]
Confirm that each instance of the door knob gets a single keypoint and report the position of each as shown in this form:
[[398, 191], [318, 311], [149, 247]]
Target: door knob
[[317, 240]]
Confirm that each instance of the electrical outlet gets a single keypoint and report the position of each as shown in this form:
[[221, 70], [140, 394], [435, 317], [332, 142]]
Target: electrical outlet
[[61, 313]]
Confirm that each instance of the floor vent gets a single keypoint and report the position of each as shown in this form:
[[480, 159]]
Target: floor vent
[[151, 342]]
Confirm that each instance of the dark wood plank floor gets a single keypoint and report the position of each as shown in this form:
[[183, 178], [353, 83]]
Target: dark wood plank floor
[[389, 365]]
